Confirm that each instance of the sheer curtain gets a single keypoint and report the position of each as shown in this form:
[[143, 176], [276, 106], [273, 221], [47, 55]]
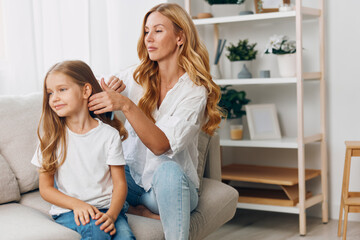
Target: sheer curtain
[[38, 33]]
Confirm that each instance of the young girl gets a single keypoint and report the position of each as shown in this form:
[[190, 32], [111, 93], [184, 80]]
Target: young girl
[[82, 153]]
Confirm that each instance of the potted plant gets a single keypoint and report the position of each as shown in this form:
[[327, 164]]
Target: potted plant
[[232, 103], [285, 51], [240, 56], [220, 8]]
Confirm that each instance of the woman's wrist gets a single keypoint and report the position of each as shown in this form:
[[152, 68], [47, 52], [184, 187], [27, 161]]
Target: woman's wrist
[[127, 105]]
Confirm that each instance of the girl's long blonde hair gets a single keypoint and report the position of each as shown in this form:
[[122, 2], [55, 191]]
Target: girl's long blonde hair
[[51, 129], [193, 58]]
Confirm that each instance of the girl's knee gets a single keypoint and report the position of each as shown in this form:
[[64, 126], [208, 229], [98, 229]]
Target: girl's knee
[[92, 231]]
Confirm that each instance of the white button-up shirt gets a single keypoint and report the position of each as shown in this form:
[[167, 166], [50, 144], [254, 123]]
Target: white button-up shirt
[[180, 116]]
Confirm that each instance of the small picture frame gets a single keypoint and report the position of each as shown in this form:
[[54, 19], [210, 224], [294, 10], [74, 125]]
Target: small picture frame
[[263, 122], [266, 6]]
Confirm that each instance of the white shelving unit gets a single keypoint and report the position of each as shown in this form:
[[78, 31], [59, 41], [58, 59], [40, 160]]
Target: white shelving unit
[[297, 193]]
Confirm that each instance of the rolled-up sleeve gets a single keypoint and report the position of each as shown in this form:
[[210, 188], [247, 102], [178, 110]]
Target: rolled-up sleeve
[[183, 124]]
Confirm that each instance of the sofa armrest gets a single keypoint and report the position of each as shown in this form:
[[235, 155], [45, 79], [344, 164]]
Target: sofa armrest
[[213, 161], [217, 205]]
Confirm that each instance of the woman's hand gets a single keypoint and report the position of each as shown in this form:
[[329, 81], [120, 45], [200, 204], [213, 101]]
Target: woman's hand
[[108, 223], [83, 211], [116, 84], [107, 101]]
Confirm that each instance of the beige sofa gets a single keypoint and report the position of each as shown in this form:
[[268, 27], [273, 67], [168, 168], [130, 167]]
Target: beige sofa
[[24, 214]]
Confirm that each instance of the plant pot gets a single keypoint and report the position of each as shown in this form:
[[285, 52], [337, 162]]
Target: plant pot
[[231, 129], [287, 65], [221, 10], [238, 66]]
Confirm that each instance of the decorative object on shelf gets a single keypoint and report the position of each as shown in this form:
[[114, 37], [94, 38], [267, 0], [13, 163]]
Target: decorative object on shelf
[[263, 122], [232, 102], [264, 74], [236, 131], [244, 73], [285, 7], [215, 69], [285, 51], [287, 65], [204, 15], [266, 6], [246, 12], [240, 56]]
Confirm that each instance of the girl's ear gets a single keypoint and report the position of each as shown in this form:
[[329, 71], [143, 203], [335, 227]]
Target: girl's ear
[[87, 90]]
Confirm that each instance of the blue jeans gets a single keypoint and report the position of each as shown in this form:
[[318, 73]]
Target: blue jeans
[[91, 231], [173, 196]]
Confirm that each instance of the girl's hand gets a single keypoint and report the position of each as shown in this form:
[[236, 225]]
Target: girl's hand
[[83, 211], [116, 84], [108, 223], [106, 101]]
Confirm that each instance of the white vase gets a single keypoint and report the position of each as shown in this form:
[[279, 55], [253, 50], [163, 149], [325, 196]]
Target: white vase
[[287, 65], [215, 71], [237, 66]]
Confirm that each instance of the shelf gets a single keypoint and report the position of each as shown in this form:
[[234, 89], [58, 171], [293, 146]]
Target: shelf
[[255, 81], [277, 143], [266, 197], [307, 12], [276, 208], [243, 18], [265, 174], [285, 142]]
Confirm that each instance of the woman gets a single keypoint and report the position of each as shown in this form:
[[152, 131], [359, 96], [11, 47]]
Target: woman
[[168, 99]]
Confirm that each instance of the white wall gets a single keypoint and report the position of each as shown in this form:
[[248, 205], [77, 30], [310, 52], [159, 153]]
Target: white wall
[[343, 85]]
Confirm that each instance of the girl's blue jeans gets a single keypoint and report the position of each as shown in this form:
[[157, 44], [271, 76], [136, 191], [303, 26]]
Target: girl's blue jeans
[[173, 196], [91, 231]]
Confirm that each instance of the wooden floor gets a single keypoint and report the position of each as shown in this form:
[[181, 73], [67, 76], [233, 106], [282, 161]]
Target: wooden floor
[[260, 225]]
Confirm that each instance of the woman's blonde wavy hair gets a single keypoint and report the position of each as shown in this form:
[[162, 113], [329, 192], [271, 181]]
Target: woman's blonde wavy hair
[[52, 129], [193, 58]]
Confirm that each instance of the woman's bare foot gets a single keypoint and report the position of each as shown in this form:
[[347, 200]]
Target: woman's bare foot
[[141, 210]]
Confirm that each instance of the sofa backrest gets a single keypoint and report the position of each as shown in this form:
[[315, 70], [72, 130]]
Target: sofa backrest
[[18, 123]]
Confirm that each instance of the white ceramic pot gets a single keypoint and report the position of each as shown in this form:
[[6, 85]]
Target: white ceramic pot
[[287, 65], [221, 10], [236, 67]]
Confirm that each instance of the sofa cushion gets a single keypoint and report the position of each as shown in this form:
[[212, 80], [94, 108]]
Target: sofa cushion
[[18, 138], [203, 146], [217, 205], [9, 189], [22, 222], [33, 199], [145, 228]]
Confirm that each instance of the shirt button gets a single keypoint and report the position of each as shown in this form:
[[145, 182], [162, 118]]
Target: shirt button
[[133, 134]]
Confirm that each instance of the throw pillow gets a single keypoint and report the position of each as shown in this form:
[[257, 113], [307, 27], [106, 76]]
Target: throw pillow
[[9, 189], [18, 139]]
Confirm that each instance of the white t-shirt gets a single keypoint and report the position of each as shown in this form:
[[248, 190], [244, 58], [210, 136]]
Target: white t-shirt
[[85, 174], [180, 117]]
